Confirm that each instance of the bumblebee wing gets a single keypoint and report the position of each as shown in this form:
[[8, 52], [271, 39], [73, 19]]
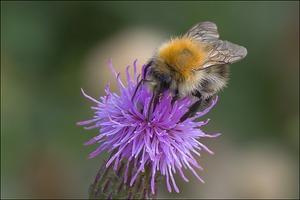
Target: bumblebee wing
[[203, 32], [219, 52], [224, 52]]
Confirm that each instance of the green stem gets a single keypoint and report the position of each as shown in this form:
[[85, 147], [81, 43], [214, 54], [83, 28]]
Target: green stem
[[109, 184]]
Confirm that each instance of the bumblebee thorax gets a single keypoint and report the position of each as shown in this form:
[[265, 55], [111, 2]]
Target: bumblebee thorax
[[182, 55]]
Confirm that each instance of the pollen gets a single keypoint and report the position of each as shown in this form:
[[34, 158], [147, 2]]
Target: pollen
[[183, 55]]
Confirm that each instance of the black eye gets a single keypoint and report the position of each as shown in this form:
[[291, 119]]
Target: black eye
[[165, 80]]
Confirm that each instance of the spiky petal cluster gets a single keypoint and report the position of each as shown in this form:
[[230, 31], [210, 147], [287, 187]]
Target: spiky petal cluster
[[163, 143]]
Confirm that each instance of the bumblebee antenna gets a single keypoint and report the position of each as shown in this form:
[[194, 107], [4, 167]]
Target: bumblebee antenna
[[137, 87], [146, 68], [142, 80]]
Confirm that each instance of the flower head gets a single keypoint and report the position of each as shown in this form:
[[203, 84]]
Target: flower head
[[160, 142]]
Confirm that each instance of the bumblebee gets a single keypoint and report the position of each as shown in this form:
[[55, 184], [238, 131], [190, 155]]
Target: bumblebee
[[195, 64]]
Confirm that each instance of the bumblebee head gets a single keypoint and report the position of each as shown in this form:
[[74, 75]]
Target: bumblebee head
[[157, 82]]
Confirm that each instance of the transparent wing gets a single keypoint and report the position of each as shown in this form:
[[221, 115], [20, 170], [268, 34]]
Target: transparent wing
[[219, 51], [203, 32], [224, 52]]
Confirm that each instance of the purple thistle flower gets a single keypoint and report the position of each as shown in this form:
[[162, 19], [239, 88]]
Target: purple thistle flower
[[162, 143]]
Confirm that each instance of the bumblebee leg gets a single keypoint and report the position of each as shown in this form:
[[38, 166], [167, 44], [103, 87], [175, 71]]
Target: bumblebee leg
[[206, 103], [149, 106], [175, 97], [192, 110], [156, 100], [196, 107]]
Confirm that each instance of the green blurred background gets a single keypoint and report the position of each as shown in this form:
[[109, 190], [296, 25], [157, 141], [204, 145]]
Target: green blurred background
[[49, 50]]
